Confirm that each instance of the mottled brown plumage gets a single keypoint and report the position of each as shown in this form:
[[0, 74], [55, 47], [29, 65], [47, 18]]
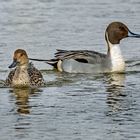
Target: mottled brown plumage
[[25, 74]]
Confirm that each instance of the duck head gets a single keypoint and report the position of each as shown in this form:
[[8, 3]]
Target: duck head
[[20, 58], [116, 31]]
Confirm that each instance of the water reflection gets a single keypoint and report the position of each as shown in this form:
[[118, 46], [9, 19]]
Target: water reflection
[[22, 99], [114, 88], [63, 78]]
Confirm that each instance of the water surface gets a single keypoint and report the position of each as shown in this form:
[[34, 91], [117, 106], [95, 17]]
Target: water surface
[[71, 106]]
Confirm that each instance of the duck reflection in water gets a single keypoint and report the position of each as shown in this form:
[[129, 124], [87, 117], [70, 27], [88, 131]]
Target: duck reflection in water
[[115, 85], [22, 99]]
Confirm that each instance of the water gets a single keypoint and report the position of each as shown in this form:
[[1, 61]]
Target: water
[[72, 106]]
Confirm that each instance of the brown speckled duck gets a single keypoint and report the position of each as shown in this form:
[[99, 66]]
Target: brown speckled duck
[[25, 74]]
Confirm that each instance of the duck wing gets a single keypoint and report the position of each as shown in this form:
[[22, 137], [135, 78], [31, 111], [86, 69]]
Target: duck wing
[[36, 78], [82, 56], [8, 80]]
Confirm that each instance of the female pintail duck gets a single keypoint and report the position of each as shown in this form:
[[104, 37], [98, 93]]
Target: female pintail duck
[[85, 61], [25, 74]]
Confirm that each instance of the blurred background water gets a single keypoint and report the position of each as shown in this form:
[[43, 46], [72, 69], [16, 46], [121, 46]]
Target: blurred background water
[[72, 106]]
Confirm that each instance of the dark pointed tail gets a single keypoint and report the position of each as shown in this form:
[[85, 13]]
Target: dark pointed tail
[[52, 62], [43, 60]]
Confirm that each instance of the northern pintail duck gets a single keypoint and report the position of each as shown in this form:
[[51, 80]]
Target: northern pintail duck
[[85, 61], [25, 74]]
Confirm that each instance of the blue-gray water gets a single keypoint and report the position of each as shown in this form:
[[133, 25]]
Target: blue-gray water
[[72, 106]]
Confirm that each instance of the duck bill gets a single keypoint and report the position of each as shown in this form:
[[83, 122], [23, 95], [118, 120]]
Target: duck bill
[[13, 64], [131, 34]]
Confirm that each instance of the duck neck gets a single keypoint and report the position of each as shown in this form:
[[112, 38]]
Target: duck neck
[[23, 66], [115, 56], [114, 51]]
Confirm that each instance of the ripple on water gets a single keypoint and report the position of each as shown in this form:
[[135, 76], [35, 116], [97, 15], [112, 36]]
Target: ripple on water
[[71, 106]]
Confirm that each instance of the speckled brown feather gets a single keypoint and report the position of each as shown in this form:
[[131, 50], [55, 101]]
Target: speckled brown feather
[[8, 80], [25, 74], [35, 77]]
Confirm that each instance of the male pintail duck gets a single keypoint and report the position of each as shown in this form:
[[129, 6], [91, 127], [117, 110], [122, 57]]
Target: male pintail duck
[[25, 74], [85, 61]]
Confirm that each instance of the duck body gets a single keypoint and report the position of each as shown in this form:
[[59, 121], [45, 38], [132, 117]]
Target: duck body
[[85, 61], [24, 75]]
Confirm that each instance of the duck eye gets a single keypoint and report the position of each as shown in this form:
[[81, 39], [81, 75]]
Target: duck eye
[[122, 28], [21, 54]]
